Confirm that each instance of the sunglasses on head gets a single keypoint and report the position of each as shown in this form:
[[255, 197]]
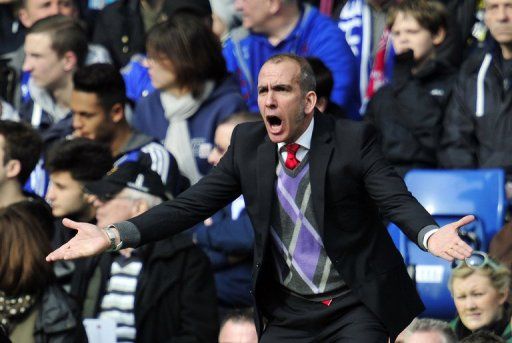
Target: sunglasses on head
[[477, 260]]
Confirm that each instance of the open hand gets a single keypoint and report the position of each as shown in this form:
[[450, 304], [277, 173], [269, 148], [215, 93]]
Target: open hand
[[446, 242], [88, 241]]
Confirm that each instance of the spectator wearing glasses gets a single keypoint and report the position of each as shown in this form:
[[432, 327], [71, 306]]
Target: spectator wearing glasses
[[480, 287]]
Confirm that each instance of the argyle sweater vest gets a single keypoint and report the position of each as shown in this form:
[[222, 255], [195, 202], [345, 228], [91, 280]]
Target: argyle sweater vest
[[303, 266]]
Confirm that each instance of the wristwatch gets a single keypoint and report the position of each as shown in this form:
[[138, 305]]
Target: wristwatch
[[109, 230]]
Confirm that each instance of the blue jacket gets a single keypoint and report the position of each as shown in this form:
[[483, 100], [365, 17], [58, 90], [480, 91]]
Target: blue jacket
[[136, 78], [149, 118], [229, 242], [149, 152], [316, 36]]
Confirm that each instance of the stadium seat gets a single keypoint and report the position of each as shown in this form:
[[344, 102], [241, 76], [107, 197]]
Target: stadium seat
[[449, 195]]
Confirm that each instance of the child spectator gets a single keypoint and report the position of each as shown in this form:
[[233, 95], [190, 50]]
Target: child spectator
[[408, 112]]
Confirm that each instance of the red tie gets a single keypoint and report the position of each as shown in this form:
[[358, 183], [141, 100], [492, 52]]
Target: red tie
[[291, 160]]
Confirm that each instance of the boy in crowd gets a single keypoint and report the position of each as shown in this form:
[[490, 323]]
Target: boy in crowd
[[408, 112], [55, 48], [67, 166]]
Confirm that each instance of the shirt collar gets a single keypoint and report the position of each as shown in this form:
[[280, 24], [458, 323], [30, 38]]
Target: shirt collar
[[304, 140]]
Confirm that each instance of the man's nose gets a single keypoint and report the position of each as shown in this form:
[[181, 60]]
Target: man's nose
[[270, 100], [503, 14], [76, 123], [50, 194], [27, 65]]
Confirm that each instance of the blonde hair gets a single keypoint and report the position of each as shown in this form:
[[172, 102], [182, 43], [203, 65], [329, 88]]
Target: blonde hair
[[499, 275]]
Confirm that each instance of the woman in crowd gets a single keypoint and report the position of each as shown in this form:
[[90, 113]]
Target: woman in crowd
[[194, 91], [480, 288], [32, 307]]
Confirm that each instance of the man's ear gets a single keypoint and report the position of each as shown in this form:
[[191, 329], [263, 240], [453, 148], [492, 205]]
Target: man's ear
[[310, 100], [70, 61], [117, 113], [13, 168], [439, 37], [274, 6], [24, 18]]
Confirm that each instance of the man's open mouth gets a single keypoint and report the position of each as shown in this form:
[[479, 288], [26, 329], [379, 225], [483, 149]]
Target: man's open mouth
[[274, 121]]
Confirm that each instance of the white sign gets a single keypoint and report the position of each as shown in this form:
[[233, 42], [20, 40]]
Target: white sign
[[100, 330], [429, 273]]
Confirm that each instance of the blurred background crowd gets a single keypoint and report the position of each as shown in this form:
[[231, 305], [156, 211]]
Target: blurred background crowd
[[110, 107]]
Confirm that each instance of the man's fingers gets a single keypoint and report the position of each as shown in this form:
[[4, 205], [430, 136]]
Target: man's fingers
[[70, 223], [464, 220], [464, 248], [56, 254], [455, 253], [445, 256], [65, 252]]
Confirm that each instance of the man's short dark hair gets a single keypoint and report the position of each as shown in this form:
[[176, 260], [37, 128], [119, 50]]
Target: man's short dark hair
[[323, 77], [86, 160], [105, 81], [66, 35], [239, 316], [191, 47], [22, 143], [307, 76]]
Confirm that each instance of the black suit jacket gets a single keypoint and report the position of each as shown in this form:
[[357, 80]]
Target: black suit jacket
[[352, 185]]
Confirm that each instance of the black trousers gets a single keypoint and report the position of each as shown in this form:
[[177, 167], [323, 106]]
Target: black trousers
[[294, 319]]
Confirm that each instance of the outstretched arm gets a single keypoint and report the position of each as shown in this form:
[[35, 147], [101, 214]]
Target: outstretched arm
[[89, 240], [447, 244]]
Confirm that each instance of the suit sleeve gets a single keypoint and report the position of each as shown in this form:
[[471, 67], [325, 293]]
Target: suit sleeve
[[389, 191], [213, 192]]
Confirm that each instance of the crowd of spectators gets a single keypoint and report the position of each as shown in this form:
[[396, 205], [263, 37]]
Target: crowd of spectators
[[108, 108]]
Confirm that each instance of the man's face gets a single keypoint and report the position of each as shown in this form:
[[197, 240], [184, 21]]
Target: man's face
[[66, 196], [47, 69], [117, 209], [478, 303], [281, 102], [222, 139], [407, 34], [89, 118], [498, 18], [39, 9], [255, 13]]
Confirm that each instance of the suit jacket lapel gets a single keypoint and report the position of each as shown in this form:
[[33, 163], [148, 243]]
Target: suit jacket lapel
[[266, 174], [320, 154]]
